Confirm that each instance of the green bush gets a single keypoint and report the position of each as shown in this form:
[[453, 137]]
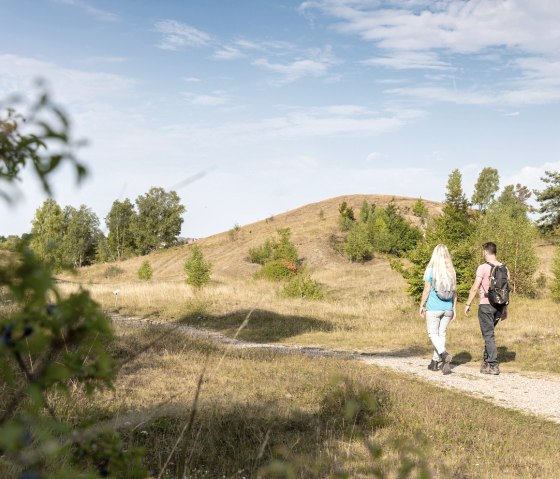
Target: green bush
[[272, 249], [303, 286], [278, 270], [197, 269], [357, 245], [145, 271], [113, 271]]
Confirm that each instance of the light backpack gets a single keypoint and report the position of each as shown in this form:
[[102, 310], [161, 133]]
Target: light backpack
[[444, 295], [498, 291]]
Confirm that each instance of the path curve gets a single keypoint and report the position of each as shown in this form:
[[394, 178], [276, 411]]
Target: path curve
[[527, 392]]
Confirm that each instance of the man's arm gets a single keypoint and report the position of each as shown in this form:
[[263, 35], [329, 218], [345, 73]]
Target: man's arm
[[474, 290]]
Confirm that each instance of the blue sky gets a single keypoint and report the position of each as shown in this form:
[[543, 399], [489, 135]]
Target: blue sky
[[282, 103]]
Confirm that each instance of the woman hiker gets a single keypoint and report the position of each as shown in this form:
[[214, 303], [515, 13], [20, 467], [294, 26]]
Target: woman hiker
[[439, 304]]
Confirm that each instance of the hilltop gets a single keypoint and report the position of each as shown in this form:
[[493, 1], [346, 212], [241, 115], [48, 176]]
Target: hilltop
[[310, 233]]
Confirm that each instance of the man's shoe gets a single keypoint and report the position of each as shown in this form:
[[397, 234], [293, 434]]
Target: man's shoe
[[485, 368], [494, 369], [433, 366], [446, 360]]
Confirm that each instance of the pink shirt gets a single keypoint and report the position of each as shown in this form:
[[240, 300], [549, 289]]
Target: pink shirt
[[483, 272]]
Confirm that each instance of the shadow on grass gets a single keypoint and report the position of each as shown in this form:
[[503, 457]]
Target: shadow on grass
[[237, 439], [263, 326], [463, 357], [407, 352], [506, 356]]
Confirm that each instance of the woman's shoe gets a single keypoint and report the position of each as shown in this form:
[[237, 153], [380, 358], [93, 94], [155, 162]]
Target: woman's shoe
[[446, 359], [433, 366]]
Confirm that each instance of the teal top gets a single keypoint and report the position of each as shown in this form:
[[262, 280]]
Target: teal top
[[434, 303]]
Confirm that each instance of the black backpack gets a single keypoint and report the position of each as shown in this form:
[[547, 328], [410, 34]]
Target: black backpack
[[498, 292]]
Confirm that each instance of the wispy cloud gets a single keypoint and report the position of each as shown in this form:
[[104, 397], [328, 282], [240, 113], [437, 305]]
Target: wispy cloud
[[216, 98], [227, 53], [409, 60], [317, 64], [103, 15], [176, 35]]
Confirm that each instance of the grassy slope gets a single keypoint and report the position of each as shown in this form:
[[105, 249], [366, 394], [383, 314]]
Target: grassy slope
[[366, 307]]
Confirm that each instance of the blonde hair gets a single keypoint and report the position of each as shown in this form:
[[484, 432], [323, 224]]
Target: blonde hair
[[444, 277]]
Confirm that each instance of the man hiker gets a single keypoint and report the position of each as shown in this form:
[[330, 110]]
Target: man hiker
[[492, 307]]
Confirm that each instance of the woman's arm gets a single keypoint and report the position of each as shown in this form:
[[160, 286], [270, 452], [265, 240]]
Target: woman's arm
[[425, 295]]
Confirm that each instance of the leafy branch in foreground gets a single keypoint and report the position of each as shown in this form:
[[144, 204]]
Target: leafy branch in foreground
[[49, 345]]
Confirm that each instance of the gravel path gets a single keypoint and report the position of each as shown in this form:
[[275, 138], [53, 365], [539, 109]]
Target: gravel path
[[526, 392]]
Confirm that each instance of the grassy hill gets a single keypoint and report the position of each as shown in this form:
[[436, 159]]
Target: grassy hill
[[310, 234]]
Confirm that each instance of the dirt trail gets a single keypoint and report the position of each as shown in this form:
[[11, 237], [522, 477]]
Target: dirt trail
[[527, 392]]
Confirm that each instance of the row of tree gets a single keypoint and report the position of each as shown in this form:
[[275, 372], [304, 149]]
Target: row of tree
[[62, 236], [504, 220]]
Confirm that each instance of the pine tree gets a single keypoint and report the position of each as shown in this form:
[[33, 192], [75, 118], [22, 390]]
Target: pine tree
[[197, 269], [145, 271], [549, 200]]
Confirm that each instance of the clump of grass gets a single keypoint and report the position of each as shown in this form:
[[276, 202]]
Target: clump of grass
[[113, 271]]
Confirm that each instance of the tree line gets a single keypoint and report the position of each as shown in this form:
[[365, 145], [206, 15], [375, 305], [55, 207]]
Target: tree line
[[68, 236]]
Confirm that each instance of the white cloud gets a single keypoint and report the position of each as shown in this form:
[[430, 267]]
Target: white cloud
[[409, 60], [177, 35], [227, 53], [217, 98], [192, 79], [90, 10]]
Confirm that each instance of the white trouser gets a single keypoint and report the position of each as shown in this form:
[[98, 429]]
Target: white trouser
[[437, 322]]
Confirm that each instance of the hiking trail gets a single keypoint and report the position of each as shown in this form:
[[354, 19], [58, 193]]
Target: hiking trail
[[532, 393]]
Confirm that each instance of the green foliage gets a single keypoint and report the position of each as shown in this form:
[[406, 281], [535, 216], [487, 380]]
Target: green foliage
[[303, 286], [197, 269], [420, 210], [120, 222], [277, 270], [549, 200], [322, 214], [145, 271], [508, 225], [357, 245], [50, 344], [159, 220], [346, 217], [555, 286], [280, 248], [44, 148], [486, 186], [80, 236], [13, 242], [453, 226], [47, 233], [383, 230]]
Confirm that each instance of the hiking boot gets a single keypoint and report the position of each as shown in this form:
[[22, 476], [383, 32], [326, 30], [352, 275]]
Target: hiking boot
[[485, 368], [433, 366], [493, 369], [446, 360]]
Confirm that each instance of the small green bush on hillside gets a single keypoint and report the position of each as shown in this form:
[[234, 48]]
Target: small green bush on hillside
[[278, 270], [303, 286], [145, 271], [197, 269]]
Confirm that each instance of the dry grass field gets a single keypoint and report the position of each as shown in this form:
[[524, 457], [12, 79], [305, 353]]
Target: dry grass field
[[271, 414], [365, 307]]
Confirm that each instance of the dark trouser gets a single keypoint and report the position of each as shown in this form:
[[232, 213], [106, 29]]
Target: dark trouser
[[488, 317]]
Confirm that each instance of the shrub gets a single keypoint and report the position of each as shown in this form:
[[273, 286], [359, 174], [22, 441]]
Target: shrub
[[275, 249], [346, 217], [303, 286], [197, 269], [357, 246], [278, 270], [145, 271], [113, 271]]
